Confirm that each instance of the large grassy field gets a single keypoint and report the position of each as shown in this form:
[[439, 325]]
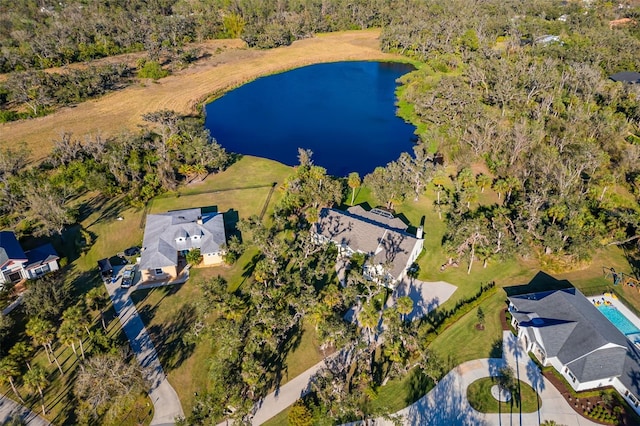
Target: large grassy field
[[229, 65]]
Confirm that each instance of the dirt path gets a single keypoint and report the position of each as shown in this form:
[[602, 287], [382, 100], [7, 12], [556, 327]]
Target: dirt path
[[185, 90]]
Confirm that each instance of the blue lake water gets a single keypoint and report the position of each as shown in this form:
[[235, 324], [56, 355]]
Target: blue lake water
[[344, 112]]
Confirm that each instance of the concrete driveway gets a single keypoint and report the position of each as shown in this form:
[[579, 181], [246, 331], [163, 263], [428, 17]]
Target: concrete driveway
[[447, 405], [166, 403], [426, 295]]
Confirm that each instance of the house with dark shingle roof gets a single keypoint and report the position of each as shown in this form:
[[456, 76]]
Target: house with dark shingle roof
[[562, 328], [16, 264], [376, 233], [168, 237]]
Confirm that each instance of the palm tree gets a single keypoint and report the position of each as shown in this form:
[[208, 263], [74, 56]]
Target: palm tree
[[21, 352], [68, 333], [36, 378], [368, 318], [41, 332], [78, 316], [9, 370], [483, 181], [354, 183], [95, 300], [405, 306], [500, 186]]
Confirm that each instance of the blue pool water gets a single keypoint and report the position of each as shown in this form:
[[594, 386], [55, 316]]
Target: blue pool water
[[345, 112], [618, 319]]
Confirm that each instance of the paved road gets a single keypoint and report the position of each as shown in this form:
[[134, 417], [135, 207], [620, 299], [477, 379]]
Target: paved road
[[447, 404], [166, 403], [10, 409]]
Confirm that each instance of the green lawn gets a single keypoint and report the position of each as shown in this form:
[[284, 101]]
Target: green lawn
[[280, 419], [244, 188], [524, 400], [399, 393], [464, 342]]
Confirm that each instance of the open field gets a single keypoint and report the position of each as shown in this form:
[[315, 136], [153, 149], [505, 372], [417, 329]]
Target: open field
[[187, 89]]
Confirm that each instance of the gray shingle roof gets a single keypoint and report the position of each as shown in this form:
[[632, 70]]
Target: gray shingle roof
[[362, 234], [10, 248], [166, 234], [569, 327], [386, 220]]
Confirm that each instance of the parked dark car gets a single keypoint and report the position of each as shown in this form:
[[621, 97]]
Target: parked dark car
[[131, 251], [106, 270]]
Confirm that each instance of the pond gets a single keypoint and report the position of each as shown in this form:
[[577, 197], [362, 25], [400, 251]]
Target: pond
[[345, 112]]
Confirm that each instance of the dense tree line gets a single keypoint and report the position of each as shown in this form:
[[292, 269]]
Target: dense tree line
[[36, 91], [47, 34], [138, 165], [559, 138]]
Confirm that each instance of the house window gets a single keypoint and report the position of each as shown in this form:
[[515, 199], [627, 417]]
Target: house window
[[573, 378], [159, 271], [41, 270]]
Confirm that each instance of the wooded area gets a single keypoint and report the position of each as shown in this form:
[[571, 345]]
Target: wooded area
[[509, 98]]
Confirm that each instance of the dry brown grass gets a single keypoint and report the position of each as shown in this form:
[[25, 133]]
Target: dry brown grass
[[187, 89]]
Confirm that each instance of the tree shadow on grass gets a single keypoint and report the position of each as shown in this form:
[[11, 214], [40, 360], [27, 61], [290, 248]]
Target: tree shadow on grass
[[419, 385], [496, 349], [170, 346]]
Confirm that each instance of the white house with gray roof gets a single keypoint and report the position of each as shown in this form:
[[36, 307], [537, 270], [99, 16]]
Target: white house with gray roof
[[169, 236], [375, 233], [562, 328]]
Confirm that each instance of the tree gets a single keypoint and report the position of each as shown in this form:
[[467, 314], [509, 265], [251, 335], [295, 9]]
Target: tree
[[69, 332], [405, 306], [483, 181], [506, 379], [480, 317], [194, 256], [9, 370], [107, 383], [368, 318], [21, 352], [36, 379], [46, 297], [354, 183], [300, 415], [41, 332], [47, 206], [5, 327], [95, 299], [469, 234]]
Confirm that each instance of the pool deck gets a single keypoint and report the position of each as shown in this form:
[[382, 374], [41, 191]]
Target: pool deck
[[616, 303]]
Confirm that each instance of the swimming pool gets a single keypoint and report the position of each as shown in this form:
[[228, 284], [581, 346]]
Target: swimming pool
[[618, 319]]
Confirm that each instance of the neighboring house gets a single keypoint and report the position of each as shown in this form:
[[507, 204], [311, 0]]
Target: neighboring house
[[377, 234], [562, 328], [16, 264], [168, 237], [626, 77]]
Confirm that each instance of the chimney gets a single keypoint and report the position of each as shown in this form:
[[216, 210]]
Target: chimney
[[419, 233], [199, 220]]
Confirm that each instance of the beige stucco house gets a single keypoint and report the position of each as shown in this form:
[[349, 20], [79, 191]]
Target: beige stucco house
[[168, 237]]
